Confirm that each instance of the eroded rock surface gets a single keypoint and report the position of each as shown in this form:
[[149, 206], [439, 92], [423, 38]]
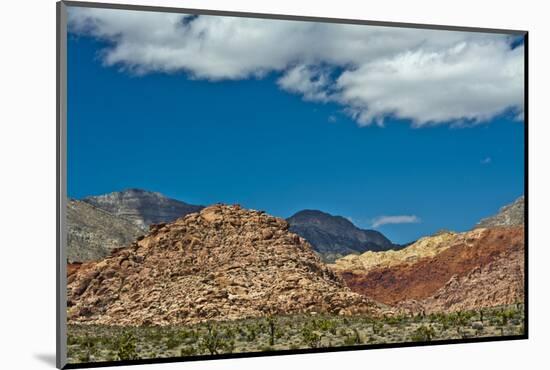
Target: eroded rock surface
[[500, 282], [424, 247], [220, 264], [393, 281]]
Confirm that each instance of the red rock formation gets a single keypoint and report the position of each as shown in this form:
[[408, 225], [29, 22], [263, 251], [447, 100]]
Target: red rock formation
[[423, 278], [223, 263], [500, 282]]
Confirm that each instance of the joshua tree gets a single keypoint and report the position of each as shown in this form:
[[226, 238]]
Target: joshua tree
[[212, 341], [271, 324]]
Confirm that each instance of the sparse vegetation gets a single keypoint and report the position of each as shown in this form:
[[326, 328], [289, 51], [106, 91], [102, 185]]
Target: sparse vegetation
[[423, 334], [89, 343], [126, 347]]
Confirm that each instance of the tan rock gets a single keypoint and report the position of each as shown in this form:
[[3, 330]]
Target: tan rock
[[224, 262]]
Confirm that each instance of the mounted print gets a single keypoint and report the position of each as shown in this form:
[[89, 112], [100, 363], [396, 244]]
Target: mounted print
[[234, 184]]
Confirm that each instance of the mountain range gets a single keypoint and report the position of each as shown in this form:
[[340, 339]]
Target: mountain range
[[227, 263], [330, 236]]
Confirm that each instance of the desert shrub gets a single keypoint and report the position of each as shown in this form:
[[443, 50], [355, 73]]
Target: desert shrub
[[353, 339], [87, 345], [377, 327], [504, 316], [423, 334], [251, 333], [126, 347], [310, 337], [172, 342], [188, 351], [326, 325]]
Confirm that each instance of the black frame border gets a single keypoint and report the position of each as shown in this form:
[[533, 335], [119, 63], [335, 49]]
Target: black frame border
[[61, 196]]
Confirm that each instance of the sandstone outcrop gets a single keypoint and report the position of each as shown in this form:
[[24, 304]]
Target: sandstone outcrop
[[223, 263], [500, 282], [425, 247], [396, 280]]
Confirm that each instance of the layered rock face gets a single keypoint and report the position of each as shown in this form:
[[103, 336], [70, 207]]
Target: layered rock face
[[142, 207], [424, 247], [93, 232], [447, 272], [509, 215], [419, 278], [223, 263], [500, 282], [334, 236]]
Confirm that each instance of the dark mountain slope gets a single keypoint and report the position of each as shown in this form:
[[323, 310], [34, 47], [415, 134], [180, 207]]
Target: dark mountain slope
[[335, 236]]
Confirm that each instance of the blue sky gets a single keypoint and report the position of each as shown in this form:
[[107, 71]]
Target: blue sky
[[259, 142]]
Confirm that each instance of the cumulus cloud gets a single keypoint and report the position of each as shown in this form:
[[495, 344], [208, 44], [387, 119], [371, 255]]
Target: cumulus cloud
[[402, 219], [429, 77]]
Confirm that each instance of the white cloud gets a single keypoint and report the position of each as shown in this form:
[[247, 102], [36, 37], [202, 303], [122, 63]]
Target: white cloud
[[486, 160], [430, 77], [403, 219]]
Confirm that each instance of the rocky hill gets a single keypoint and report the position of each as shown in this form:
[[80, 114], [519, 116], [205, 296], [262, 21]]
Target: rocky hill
[[223, 263], [447, 271], [93, 232], [142, 207], [335, 236], [509, 215], [421, 278], [497, 283]]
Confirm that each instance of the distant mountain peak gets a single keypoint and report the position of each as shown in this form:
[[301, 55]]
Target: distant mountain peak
[[136, 191], [142, 207], [335, 236], [94, 232]]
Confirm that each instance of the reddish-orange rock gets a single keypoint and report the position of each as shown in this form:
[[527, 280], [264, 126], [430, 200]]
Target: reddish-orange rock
[[422, 278]]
